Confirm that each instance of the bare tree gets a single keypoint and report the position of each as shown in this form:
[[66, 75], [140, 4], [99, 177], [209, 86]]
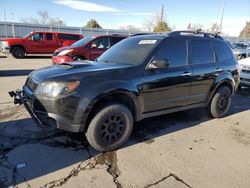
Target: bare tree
[[130, 28], [195, 26], [43, 18], [157, 23], [246, 30], [215, 28]]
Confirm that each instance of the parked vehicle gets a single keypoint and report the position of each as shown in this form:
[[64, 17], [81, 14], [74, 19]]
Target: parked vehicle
[[241, 49], [140, 77], [245, 71], [37, 43], [88, 48]]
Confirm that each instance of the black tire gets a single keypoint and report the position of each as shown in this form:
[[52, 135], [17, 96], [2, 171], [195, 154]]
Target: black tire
[[78, 58], [18, 52], [110, 127], [220, 102]]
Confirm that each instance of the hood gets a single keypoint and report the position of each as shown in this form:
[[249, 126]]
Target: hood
[[13, 40], [74, 71], [65, 48], [245, 61]]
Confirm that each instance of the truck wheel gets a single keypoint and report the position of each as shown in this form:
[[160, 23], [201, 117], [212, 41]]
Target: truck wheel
[[18, 52], [220, 102], [110, 127]]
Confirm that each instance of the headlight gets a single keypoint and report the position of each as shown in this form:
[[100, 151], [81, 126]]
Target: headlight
[[5, 43], [236, 52], [64, 52], [53, 89]]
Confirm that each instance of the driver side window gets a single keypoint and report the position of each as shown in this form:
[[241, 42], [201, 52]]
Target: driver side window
[[37, 37], [102, 43]]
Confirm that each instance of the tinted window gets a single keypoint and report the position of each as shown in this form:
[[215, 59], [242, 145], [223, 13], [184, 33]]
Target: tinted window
[[37, 37], [175, 51], [68, 37], [222, 50], [133, 50], [82, 42], [116, 40], [102, 42], [202, 52], [49, 36]]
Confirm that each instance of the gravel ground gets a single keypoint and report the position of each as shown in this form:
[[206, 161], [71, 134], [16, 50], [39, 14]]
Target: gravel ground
[[184, 149]]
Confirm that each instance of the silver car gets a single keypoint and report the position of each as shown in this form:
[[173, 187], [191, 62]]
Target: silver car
[[245, 71]]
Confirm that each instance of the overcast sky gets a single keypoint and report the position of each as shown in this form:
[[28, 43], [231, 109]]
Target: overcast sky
[[113, 14]]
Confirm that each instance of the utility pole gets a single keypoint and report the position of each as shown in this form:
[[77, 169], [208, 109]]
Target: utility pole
[[162, 13], [222, 14], [13, 26], [5, 26]]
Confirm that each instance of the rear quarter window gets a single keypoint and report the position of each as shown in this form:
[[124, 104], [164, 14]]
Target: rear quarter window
[[222, 51], [68, 37]]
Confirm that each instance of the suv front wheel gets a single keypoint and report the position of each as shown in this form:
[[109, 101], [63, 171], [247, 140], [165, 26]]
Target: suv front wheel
[[110, 127], [220, 102]]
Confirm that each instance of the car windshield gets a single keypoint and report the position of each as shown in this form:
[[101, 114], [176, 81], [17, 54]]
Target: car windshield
[[239, 46], [82, 42], [133, 50], [24, 36]]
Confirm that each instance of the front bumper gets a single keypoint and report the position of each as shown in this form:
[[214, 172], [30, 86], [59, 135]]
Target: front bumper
[[5, 49], [245, 77], [56, 113]]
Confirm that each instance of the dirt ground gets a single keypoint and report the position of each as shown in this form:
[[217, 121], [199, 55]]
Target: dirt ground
[[184, 149]]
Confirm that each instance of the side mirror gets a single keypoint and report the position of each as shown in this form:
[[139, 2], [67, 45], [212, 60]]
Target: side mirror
[[93, 45], [158, 64]]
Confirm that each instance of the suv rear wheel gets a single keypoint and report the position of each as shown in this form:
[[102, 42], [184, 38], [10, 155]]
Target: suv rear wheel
[[220, 102], [110, 127], [18, 52]]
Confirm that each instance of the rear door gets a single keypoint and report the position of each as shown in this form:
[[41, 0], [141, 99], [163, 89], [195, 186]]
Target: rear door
[[169, 87], [98, 46], [51, 42], [205, 69]]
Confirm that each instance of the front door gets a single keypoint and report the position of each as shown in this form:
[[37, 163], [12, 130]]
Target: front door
[[98, 46], [36, 43], [169, 87]]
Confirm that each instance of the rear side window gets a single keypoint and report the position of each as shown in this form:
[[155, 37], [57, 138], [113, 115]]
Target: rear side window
[[68, 37], [174, 51], [116, 40], [49, 36], [222, 51], [202, 52]]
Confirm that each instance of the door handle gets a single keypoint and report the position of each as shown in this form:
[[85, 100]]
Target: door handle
[[186, 74], [218, 70]]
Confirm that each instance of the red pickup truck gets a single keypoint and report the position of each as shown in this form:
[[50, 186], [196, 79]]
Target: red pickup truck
[[37, 43]]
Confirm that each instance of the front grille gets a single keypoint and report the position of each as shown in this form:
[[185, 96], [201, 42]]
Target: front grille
[[245, 71], [31, 84], [245, 79]]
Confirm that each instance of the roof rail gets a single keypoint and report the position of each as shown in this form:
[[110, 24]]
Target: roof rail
[[195, 32]]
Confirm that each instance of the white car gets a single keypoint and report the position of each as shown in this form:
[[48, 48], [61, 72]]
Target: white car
[[245, 71], [241, 49]]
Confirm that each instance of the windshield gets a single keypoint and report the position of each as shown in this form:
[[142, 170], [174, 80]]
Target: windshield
[[239, 46], [133, 50], [82, 42], [24, 36]]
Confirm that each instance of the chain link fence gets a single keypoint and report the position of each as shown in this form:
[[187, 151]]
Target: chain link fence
[[11, 30], [8, 29]]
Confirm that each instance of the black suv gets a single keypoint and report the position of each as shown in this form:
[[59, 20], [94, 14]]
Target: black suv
[[140, 77]]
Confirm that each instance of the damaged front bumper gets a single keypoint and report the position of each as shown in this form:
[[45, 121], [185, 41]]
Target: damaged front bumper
[[20, 99], [56, 113]]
